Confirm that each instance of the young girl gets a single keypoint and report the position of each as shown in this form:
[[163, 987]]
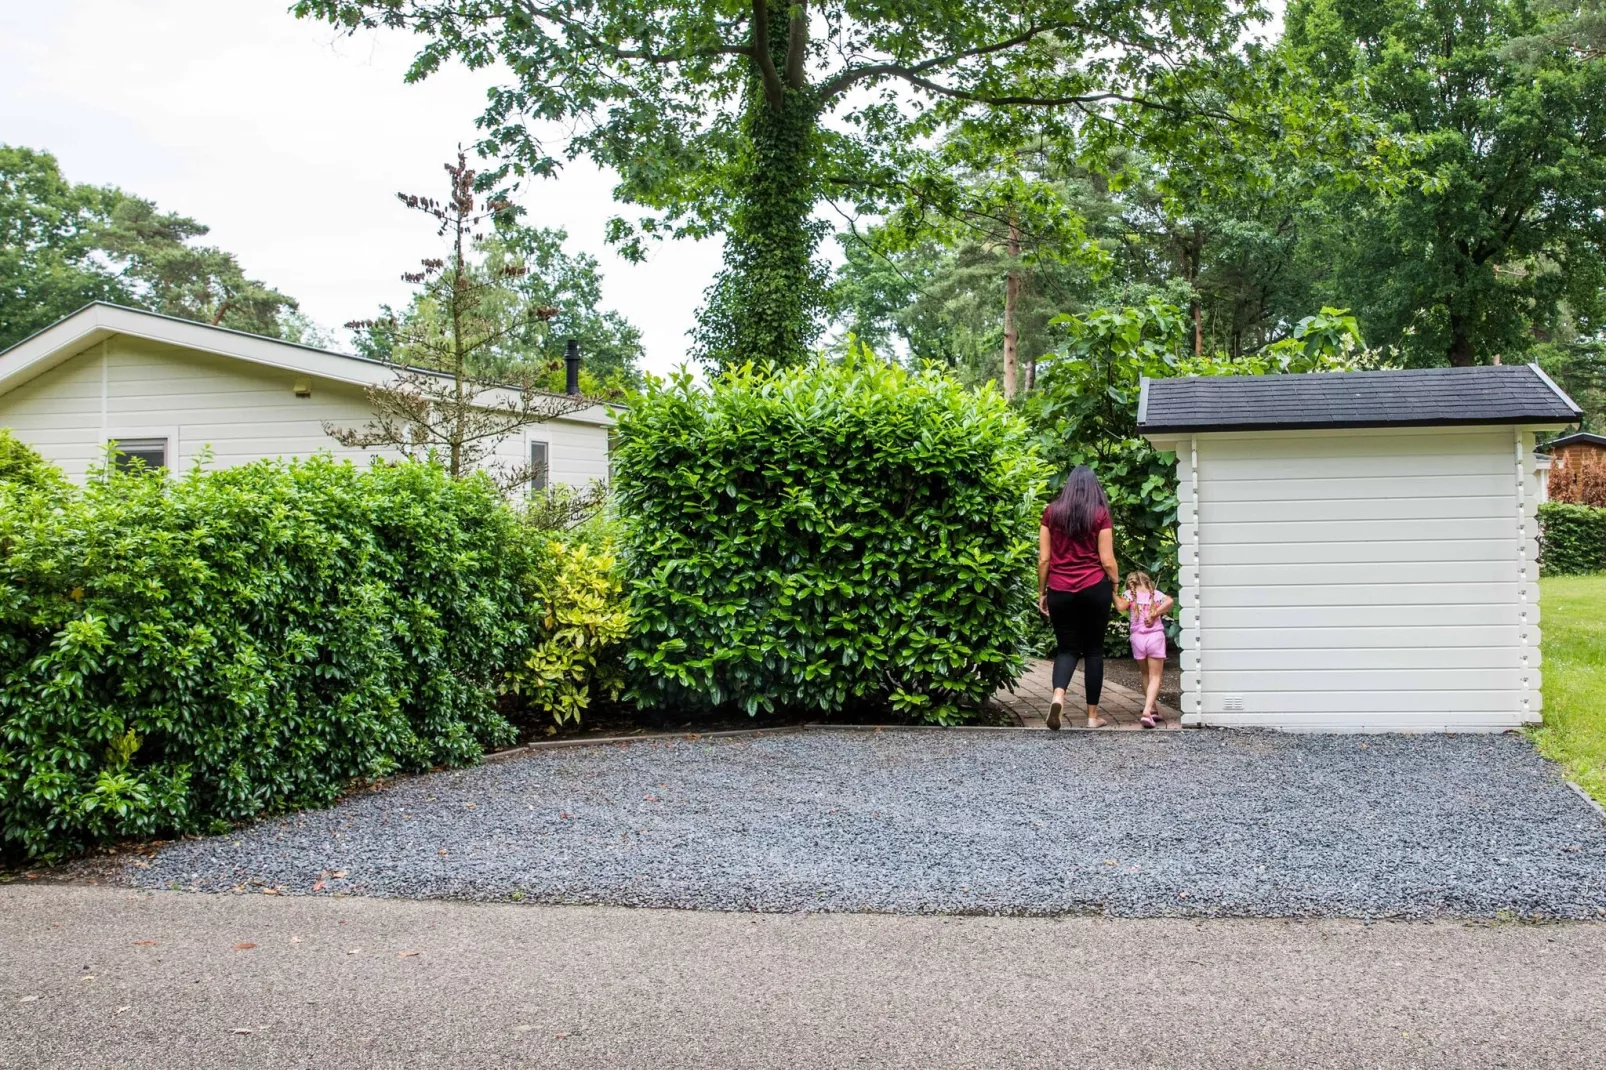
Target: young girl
[[1149, 608]]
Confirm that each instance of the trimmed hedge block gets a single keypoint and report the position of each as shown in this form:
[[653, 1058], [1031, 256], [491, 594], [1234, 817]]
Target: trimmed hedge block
[[831, 535], [1572, 539]]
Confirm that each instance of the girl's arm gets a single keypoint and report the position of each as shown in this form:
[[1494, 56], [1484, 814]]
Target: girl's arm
[[1122, 604], [1166, 602], [1107, 555], [1042, 569]]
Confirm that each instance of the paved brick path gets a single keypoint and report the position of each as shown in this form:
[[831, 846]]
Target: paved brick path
[[1121, 706]]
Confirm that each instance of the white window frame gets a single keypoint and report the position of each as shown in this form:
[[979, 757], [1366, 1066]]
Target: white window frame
[[168, 434], [542, 479]]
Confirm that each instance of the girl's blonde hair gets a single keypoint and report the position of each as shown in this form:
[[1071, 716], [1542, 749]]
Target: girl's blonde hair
[[1139, 581]]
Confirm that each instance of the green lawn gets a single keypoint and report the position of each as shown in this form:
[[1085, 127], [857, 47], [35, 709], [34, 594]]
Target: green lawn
[[1572, 619]]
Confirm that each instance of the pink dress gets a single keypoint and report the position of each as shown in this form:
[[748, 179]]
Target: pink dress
[[1148, 641]]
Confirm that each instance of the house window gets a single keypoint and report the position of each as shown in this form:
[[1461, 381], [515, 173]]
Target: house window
[[151, 452], [538, 467]]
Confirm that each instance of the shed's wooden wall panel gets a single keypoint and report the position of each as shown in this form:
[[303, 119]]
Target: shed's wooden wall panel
[[1359, 580]]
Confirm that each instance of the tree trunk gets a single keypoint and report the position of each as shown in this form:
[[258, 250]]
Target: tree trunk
[[458, 363], [1195, 258], [766, 303], [1460, 351], [1011, 301]]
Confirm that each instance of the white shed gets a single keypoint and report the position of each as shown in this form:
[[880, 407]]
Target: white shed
[[1357, 550], [168, 389]]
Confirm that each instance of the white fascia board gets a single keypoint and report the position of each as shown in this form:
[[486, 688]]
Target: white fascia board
[[1166, 440], [97, 322], [50, 347]]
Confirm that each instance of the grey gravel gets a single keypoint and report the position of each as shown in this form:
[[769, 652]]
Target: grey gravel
[[1181, 824]]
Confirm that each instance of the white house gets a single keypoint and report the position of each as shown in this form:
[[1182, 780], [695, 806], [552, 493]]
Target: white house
[[1357, 549], [167, 389]]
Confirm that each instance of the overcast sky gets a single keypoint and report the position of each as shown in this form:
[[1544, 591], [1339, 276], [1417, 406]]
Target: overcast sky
[[290, 143]]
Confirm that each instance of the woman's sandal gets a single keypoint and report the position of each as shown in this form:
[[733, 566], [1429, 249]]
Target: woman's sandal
[[1097, 722], [1054, 714]]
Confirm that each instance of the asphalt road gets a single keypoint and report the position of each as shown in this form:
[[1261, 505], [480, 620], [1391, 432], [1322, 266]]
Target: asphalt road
[[112, 977]]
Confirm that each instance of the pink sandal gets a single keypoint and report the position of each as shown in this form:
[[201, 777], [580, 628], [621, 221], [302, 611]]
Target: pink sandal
[[1148, 719]]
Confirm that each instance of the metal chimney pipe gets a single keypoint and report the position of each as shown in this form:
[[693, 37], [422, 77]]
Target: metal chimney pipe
[[571, 367]]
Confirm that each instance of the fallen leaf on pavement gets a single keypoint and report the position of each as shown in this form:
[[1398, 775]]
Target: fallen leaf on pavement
[[407, 954], [28, 999], [270, 891], [242, 1032], [244, 947], [339, 874], [317, 886], [120, 1010], [355, 951], [144, 943]]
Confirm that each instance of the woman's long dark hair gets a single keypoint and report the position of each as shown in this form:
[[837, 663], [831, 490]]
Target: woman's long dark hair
[[1080, 504]]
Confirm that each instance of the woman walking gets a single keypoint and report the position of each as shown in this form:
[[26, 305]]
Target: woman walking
[[1076, 577]]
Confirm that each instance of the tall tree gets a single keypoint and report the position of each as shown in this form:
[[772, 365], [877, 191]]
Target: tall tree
[[1504, 234], [518, 268], [64, 244], [439, 402], [48, 240], [984, 263], [741, 119]]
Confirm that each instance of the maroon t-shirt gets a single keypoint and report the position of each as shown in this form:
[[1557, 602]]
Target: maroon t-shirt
[[1073, 564]]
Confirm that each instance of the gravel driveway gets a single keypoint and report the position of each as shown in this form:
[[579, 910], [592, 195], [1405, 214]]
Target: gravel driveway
[[1188, 823]]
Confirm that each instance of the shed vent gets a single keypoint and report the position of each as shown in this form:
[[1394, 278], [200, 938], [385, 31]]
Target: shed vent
[[1232, 703]]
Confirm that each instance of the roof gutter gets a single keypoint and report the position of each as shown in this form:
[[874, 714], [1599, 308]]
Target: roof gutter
[[1339, 425]]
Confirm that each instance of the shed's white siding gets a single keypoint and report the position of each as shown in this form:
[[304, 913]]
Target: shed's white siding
[[1360, 579], [129, 387]]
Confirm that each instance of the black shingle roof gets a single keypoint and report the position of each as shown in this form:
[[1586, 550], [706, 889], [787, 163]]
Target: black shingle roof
[[1574, 439], [1424, 397]]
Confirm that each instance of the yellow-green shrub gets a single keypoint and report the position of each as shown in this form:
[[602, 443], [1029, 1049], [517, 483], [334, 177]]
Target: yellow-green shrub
[[580, 621]]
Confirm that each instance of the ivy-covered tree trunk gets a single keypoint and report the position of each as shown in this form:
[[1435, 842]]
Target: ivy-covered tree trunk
[[767, 301]]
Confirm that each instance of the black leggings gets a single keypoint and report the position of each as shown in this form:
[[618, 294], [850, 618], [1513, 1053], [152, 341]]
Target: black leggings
[[1080, 619]]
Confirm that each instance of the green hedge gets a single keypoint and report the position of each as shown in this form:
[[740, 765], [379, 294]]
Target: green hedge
[[176, 655], [1572, 539], [20, 463], [833, 535]]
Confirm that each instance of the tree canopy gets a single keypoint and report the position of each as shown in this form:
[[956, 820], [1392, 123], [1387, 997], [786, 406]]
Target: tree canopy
[[1502, 238], [64, 244], [742, 119]]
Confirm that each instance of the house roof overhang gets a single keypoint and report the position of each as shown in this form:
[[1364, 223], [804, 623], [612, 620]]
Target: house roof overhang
[[99, 322]]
